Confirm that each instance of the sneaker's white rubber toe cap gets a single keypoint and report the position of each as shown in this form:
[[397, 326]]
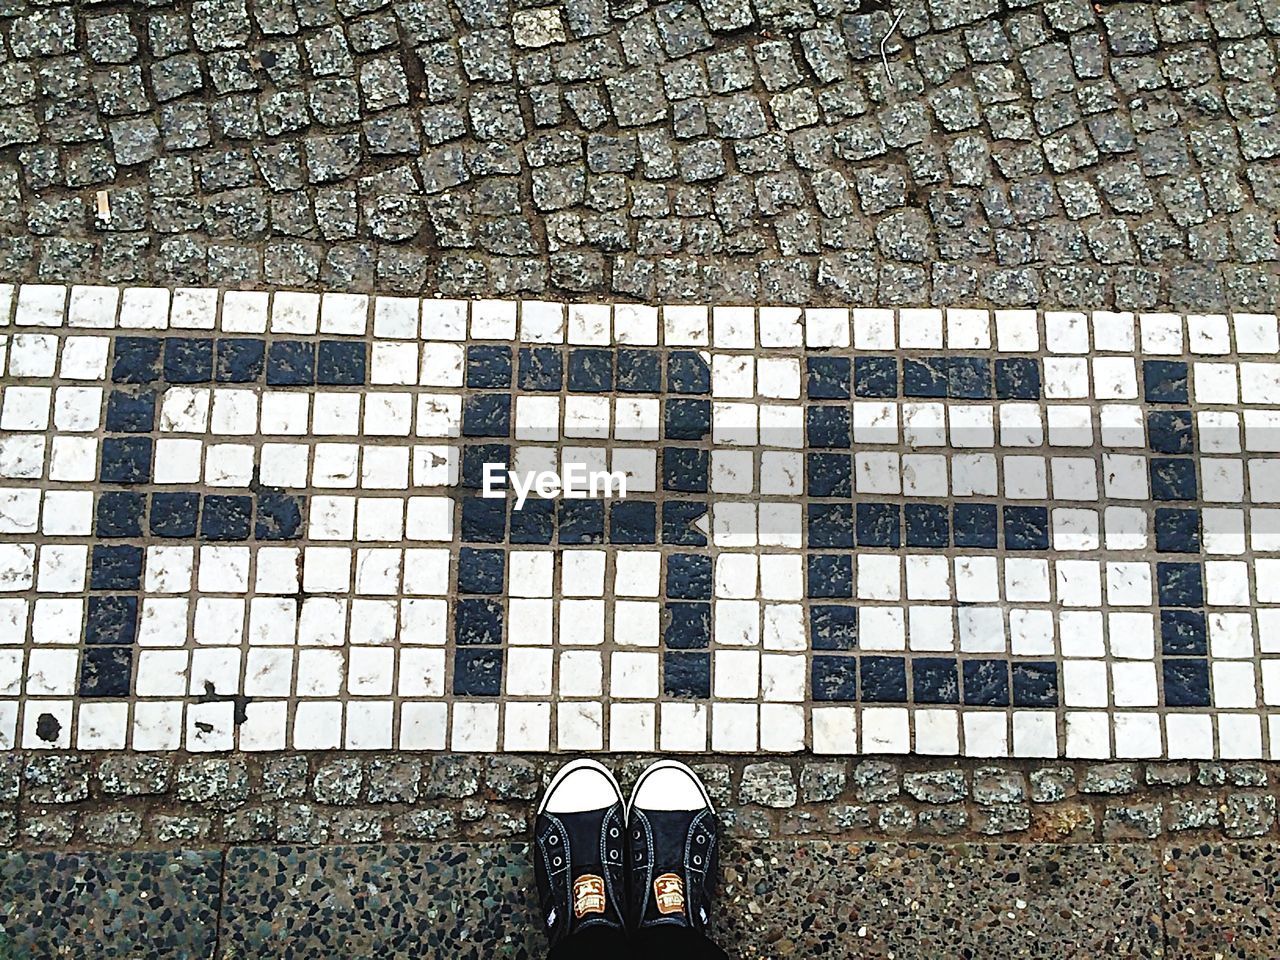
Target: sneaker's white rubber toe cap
[[580, 786], [670, 785]]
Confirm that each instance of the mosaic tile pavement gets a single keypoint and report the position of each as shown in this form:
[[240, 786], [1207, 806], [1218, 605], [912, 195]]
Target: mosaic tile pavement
[[257, 520]]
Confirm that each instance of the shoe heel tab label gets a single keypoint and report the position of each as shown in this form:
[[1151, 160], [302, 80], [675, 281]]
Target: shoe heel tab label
[[588, 895], [668, 893]]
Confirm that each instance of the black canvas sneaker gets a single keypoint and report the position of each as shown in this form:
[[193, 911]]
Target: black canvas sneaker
[[579, 841], [674, 849]]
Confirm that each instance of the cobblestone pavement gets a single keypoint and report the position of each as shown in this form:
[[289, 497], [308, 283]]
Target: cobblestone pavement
[[223, 173], [119, 802], [725, 151]]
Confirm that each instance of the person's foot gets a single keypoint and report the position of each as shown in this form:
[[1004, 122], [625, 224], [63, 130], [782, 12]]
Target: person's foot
[[579, 838], [674, 849]]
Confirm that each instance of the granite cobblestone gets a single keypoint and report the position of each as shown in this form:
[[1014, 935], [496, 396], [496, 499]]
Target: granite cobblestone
[[718, 150], [116, 802]]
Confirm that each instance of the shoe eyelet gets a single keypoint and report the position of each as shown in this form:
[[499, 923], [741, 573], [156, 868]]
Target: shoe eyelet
[[637, 834], [556, 861], [553, 840], [613, 832], [701, 839], [697, 861]]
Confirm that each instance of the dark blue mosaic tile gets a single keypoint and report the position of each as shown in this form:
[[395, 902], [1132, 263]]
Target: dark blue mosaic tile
[[111, 620], [1164, 381], [986, 683], [136, 360], [174, 515], [1186, 683], [686, 674], [830, 525], [688, 626], [633, 522], [828, 426], [969, 378], [879, 525], [1172, 478], [115, 567], [833, 627], [1170, 431], [291, 363], [475, 456], [875, 377], [240, 360], [188, 360], [1179, 584], [126, 460], [226, 517], [927, 525], [678, 519], [541, 369], [106, 672], [687, 419], [687, 372], [924, 377], [975, 525], [830, 576], [1017, 378], [341, 363], [486, 415], [534, 523], [684, 469], [477, 672], [935, 680], [279, 516], [829, 475], [639, 371], [590, 370], [1035, 684], [477, 622], [827, 378], [1177, 530], [131, 413], [688, 576], [119, 515], [1026, 528], [1183, 633], [489, 367], [581, 522], [884, 679], [480, 571], [484, 520], [834, 678]]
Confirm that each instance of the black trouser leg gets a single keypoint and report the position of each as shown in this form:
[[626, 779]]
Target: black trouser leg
[[675, 943], [658, 943], [593, 943]]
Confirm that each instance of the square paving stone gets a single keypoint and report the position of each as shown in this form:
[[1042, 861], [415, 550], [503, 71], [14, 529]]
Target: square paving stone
[[459, 901], [1220, 900], [161, 905]]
